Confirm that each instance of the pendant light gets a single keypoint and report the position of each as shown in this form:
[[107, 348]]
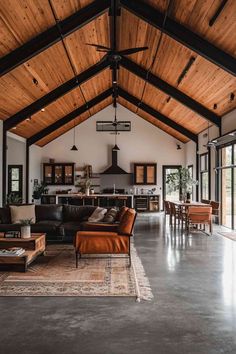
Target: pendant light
[[116, 147], [74, 148]]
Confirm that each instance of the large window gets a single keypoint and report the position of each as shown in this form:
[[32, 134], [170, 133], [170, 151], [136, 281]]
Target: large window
[[228, 185], [204, 176]]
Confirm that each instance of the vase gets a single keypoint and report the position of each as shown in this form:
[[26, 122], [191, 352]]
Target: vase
[[25, 231], [87, 191]]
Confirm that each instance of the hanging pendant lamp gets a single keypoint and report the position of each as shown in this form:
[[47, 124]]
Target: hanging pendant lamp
[[74, 147], [116, 147]]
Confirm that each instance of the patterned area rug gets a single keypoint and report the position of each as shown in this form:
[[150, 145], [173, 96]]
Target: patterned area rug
[[230, 235], [55, 275]]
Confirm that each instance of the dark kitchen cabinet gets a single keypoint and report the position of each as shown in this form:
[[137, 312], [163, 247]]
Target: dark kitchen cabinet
[[58, 174], [145, 173]]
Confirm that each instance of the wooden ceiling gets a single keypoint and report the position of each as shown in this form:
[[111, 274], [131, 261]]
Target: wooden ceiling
[[205, 82]]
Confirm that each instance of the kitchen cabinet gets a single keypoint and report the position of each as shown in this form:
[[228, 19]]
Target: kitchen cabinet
[[58, 173], [148, 203], [145, 173]]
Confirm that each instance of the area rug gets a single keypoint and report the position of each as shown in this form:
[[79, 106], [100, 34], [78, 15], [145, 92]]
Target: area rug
[[54, 274], [230, 235]]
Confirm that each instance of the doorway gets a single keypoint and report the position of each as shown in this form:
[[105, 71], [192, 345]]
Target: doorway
[[15, 181], [167, 193]]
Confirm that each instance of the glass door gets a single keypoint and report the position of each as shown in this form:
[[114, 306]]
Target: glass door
[[168, 194], [228, 186]]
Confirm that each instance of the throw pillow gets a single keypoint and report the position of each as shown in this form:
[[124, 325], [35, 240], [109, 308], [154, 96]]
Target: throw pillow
[[97, 215], [110, 215], [22, 212], [127, 222], [121, 213]]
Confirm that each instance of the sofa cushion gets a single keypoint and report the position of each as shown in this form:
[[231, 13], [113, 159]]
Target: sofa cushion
[[9, 227], [77, 213], [70, 227], [47, 226], [110, 215], [99, 226], [49, 212], [22, 212], [5, 215], [127, 222], [97, 215], [121, 213]]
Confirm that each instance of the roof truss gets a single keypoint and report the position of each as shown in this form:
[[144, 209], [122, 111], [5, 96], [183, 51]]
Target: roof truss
[[54, 95], [159, 116], [51, 36], [72, 115], [171, 91], [182, 34]]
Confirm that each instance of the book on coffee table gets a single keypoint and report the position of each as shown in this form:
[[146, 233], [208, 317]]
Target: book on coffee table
[[12, 252]]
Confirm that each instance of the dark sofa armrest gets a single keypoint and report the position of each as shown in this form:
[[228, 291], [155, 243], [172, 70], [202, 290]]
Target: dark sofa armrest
[[99, 226]]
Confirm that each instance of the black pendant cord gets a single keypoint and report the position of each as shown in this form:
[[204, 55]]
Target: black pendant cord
[[167, 13], [67, 53]]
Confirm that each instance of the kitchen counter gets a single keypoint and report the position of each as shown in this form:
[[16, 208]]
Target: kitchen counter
[[142, 202]]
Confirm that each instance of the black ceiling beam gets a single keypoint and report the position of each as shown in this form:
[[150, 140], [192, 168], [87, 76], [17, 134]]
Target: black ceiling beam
[[159, 116], [182, 34], [51, 36], [72, 115], [54, 95], [171, 91]]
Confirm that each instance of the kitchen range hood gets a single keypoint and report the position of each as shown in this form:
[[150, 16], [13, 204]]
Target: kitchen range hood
[[114, 169]]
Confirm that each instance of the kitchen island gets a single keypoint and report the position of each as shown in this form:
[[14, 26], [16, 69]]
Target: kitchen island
[[141, 202]]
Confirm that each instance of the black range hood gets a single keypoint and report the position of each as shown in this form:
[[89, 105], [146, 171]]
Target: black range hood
[[114, 169]]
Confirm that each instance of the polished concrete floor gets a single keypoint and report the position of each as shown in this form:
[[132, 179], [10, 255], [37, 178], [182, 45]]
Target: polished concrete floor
[[193, 280]]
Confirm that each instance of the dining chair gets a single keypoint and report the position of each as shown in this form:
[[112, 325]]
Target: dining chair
[[167, 210], [175, 213], [215, 209], [200, 216], [205, 201]]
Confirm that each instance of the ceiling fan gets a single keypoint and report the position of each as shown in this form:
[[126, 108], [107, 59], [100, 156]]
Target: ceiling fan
[[115, 56], [114, 125]]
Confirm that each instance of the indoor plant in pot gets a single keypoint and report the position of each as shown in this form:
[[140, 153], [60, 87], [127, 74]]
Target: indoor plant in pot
[[38, 190], [25, 230], [182, 181]]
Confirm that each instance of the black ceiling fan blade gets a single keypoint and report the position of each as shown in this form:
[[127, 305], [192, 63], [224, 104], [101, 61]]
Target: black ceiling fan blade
[[131, 50], [98, 46]]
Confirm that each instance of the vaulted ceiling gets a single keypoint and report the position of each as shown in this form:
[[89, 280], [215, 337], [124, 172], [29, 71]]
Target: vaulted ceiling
[[41, 98]]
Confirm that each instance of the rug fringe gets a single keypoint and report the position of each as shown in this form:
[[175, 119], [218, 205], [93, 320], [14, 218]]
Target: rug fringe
[[143, 288]]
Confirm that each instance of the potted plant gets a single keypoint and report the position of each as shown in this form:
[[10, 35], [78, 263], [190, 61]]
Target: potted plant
[[182, 181], [38, 190], [13, 198], [25, 230], [84, 186]]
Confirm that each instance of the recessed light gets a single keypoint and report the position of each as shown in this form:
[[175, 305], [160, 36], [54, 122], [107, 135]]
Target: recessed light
[[14, 128], [28, 119], [43, 110]]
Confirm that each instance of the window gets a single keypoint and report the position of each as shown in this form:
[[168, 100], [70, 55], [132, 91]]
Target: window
[[15, 180], [228, 185], [204, 176]]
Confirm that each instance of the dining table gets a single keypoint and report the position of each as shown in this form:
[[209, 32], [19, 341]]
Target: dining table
[[183, 206]]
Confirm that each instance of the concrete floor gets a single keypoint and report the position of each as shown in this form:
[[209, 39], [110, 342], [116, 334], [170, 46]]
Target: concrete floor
[[193, 279]]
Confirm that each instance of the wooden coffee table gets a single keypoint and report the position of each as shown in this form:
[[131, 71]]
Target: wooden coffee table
[[34, 246]]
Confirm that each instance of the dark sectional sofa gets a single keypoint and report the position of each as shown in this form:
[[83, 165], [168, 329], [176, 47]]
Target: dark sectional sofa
[[59, 222]]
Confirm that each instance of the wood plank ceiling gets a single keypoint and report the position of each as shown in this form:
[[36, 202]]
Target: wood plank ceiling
[[20, 21]]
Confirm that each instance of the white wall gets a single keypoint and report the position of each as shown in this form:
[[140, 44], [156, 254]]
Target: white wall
[[190, 159], [1, 129], [229, 122], [145, 143], [35, 170], [16, 154]]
